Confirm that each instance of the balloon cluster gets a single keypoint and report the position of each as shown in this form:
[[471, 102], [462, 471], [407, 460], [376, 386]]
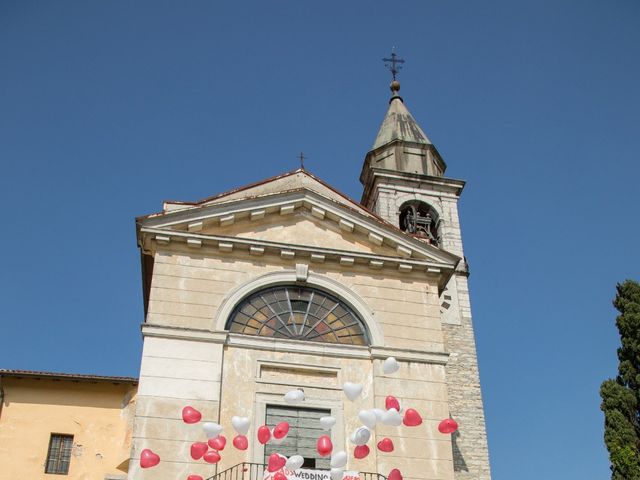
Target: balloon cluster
[[209, 451]]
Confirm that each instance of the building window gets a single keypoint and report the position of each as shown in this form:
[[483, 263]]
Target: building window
[[59, 454], [298, 313]]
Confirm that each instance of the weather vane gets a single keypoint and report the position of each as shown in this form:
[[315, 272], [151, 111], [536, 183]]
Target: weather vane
[[394, 64]]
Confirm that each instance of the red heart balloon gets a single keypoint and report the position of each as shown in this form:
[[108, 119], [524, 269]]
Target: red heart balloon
[[281, 430], [411, 418], [191, 415], [361, 451], [148, 458], [194, 477], [240, 442], [217, 443], [324, 446], [448, 425], [394, 475], [198, 449], [385, 445], [264, 434], [279, 476], [276, 462], [391, 402], [211, 456]]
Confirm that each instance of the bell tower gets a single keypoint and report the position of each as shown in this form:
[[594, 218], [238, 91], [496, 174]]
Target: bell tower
[[404, 183]]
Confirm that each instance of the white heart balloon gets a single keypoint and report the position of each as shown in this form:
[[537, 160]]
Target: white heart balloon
[[240, 424], [361, 436], [211, 429], [368, 418], [327, 422], [379, 413], [392, 417], [294, 462], [352, 390], [390, 366], [294, 396], [337, 473], [339, 459]]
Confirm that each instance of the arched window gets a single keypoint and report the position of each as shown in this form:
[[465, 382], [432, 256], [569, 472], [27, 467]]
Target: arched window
[[420, 219], [299, 313]]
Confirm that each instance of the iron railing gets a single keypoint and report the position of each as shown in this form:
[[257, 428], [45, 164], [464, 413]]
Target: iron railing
[[255, 471]]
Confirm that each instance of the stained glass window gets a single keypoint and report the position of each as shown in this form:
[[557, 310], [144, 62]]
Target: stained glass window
[[298, 313]]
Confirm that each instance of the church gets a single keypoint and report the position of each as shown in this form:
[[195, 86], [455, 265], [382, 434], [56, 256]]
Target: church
[[288, 284]]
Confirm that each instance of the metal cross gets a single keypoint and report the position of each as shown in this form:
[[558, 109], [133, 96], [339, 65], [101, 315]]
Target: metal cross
[[302, 157], [394, 64]]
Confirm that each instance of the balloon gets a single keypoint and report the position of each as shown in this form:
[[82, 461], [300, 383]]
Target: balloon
[[379, 413], [211, 429], [148, 459], [294, 462], [264, 434], [294, 396], [324, 446], [394, 475], [352, 390], [274, 440], [368, 418], [240, 424], [339, 459], [448, 425], [280, 430], [327, 422], [361, 451], [392, 417], [218, 442], [194, 477], [211, 457], [240, 442], [336, 473], [412, 418], [385, 445], [191, 415], [390, 366], [361, 436], [198, 449], [276, 462], [279, 476], [391, 402]]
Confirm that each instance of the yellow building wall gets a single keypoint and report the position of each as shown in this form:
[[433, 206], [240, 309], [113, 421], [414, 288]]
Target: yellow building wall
[[98, 415]]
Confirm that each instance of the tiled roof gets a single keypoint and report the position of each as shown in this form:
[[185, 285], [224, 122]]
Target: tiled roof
[[66, 376]]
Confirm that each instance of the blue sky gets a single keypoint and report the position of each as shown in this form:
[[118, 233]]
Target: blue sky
[[108, 108]]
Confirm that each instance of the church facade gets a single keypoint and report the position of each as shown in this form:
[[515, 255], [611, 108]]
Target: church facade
[[286, 284]]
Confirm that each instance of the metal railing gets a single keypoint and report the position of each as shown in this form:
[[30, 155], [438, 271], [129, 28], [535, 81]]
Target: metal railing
[[255, 471]]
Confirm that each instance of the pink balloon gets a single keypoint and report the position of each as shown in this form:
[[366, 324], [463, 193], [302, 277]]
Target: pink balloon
[[324, 446], [448, 425], [281, 430], [211, 456], [279, 476], [276, 462], [240, 442], [385, 445], [198, 449], [411, 418], [391, 402], [191, 415], [361, 451], [217, 443], [264, 434], [194, 477], [394, 475], [148, 459]]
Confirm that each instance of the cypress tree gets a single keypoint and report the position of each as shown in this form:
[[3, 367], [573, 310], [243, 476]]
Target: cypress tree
[[621, 397]]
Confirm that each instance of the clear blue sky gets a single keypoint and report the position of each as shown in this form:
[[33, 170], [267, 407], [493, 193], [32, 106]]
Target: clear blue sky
[[108, 108]]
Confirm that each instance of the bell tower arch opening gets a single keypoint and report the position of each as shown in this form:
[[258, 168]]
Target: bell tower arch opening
[[422, 220]]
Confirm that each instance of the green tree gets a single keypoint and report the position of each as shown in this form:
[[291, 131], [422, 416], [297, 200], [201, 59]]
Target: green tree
[[621, 397]]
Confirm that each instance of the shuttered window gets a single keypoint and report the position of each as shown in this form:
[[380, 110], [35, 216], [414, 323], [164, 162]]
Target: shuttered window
[[59, 454], [304, 430]]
